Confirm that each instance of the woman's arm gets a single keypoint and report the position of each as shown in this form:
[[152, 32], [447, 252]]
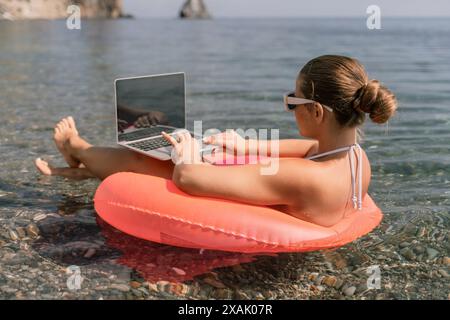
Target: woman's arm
[[245, 183], [278, 182], [287, 148]]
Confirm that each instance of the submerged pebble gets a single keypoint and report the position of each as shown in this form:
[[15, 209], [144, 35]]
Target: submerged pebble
[[21, 232], [329, 281], [404, 244], [214, 283], [419, 249], [240, 295], [432, 253], [350, 291], [174, 288], [135, 284], [319, 280], [338, 284], [443, 273], [223, 294], [32, 230], [120, 287], [362, 287], [408, 253], [421, 232], [313, 276], [13, 235], [90, 253], [179, 271], [39, 217]]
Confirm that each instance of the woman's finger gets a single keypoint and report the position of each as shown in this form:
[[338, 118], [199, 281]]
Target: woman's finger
[[170, 139], [208, 140], [216, 139], [178, 137], [187, 136]]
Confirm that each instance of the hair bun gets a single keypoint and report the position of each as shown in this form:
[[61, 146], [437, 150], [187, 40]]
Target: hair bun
[[376, 100]]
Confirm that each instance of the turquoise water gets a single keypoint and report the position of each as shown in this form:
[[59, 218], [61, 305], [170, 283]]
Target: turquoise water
[[237, 71]]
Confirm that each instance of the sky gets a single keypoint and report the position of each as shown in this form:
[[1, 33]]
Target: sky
[[293, 8]]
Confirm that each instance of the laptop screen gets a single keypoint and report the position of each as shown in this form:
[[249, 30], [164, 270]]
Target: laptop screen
[[149, 102]]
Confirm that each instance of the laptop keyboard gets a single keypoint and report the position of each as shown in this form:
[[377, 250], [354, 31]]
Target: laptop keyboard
[[143, 133], [150, 144]]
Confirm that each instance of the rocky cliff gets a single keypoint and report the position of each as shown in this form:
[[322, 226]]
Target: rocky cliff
[[194, 9], [57, 9]]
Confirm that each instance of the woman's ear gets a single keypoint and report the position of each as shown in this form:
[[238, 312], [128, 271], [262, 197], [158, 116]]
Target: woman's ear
[[318, 112]]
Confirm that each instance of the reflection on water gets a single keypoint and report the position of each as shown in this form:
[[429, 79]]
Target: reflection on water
[[77, 237], [237, 71], [156, 262]]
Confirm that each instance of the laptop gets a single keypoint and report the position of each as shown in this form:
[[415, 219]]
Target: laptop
[[146, 106]]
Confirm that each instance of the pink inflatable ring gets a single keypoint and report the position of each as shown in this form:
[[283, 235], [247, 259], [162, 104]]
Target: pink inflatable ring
[[154, 209]]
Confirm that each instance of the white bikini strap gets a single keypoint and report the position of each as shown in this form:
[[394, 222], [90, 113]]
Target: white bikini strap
[[329, 152], [352, 170], [360, 164], [357, 200]]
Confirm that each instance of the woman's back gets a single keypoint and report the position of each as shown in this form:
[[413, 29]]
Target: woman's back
[[331, 194]]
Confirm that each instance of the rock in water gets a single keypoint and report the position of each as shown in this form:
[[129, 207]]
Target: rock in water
[[194, 9], [349, 291], [57, 9], [432, 253]]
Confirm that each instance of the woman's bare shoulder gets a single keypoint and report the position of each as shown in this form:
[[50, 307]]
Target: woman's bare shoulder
[[314, 148], [301, 173]]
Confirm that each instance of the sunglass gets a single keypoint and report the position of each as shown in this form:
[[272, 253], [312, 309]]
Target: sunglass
[[291, 102]]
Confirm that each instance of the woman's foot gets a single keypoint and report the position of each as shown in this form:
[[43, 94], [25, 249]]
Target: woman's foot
[[64, 130], [75, 145], [72, 173], [43, 166]]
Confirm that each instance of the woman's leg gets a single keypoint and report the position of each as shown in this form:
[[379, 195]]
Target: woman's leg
[[72, 173], [104, 161]]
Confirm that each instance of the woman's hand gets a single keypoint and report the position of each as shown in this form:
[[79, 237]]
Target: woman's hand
[[186, 149], [229, 140]]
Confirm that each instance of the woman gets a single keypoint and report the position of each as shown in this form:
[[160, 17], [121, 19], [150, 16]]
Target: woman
[[314, 180]]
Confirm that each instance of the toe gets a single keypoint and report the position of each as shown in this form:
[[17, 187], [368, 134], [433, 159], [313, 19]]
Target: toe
[[71, 123]]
